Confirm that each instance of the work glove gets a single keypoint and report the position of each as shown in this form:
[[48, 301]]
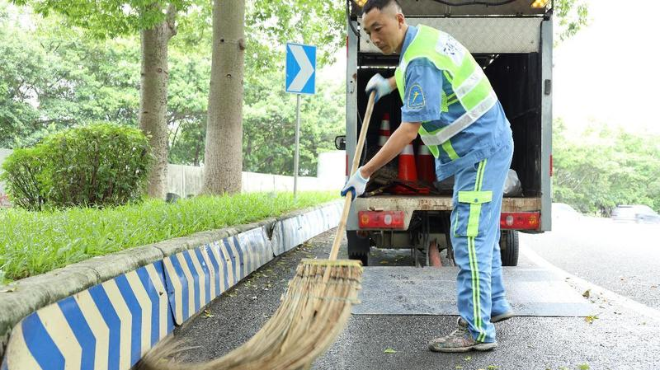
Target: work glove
[[380, 85], [355, 184]]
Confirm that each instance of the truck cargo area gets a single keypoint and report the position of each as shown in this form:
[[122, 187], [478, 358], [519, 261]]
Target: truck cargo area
[[516, 80]]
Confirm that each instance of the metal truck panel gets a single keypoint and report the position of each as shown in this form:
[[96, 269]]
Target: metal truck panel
[[351, 108], [480, 35], [546, 125]]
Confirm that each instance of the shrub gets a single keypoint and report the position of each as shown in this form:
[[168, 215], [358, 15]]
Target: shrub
[[97, 165], [22, 170]]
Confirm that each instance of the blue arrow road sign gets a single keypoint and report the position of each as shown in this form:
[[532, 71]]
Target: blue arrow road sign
[[300, 69]]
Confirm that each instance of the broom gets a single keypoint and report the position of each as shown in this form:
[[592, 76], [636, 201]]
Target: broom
[[314, 310]]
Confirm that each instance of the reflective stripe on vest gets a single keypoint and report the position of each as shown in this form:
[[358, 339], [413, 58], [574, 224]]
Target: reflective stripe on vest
[[471, 87]]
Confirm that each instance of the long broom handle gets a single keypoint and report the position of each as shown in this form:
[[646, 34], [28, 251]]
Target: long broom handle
[[356, 163]]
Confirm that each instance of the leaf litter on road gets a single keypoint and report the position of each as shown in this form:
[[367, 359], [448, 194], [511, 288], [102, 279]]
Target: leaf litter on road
[[591, 318]]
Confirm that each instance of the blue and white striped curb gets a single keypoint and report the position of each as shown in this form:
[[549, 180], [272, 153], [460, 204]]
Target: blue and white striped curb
[[294, 231], [111, 325]]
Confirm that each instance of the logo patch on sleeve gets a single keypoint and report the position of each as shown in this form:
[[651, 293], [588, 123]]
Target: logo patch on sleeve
[[415, 97]]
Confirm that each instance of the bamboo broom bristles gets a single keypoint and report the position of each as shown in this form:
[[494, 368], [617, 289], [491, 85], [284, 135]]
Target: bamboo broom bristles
[[314, 310], [310, 317]]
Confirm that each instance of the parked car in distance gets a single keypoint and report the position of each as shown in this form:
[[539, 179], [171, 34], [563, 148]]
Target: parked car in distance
[[635, 213]]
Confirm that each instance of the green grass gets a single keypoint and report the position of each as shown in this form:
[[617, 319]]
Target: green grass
[[33, 243]]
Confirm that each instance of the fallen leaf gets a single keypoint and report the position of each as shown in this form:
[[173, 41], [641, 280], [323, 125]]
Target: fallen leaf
[[468, 359], [587, 293], [8, 290], [207, 314], [584, 367], [459, 367], [492, 367], [389, 350], [590, 319]]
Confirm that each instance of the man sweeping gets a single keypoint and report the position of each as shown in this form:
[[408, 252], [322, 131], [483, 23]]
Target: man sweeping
[[449, 101]]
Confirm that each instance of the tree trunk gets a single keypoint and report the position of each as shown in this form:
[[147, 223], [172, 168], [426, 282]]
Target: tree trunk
[[223, 159], [153, 98]]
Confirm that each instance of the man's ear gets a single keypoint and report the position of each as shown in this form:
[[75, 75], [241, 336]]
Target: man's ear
[[400, 19]]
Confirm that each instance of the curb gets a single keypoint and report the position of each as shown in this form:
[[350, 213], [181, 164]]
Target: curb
[[107, 312]]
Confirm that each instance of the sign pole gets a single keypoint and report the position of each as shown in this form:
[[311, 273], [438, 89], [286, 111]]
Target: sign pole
[[300, 79], [297, 156]]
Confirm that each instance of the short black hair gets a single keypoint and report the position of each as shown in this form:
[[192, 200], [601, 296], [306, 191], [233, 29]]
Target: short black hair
[[378, 4]]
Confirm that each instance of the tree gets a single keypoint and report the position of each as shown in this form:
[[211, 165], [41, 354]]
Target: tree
[[223, 158], [604, 168], [153, 94], [53, 77], [155, 20], [273, 22], [572, 16], [269, 126]]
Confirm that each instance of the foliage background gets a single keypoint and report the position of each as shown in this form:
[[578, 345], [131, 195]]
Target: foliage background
[[602, 167], [54, 76]]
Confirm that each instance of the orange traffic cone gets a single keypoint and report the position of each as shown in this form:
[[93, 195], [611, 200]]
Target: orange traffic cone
[[384, 132], [407, 168], [434, 254], [426, 164]]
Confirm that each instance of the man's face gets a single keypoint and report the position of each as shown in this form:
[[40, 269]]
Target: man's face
[[385, 28]]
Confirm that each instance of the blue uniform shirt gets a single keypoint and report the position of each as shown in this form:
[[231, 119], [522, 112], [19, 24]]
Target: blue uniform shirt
[[422, 103]]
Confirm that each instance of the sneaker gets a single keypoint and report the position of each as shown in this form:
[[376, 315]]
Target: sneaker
[[460, 340], [501, 317]]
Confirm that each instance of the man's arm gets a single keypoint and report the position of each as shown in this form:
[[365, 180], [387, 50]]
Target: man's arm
[[402, 136]]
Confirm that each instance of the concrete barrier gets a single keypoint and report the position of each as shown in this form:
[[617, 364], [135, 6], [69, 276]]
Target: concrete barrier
[[106, 312]]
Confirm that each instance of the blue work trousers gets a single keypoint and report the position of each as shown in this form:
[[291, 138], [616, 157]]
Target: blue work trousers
[[475, 235]]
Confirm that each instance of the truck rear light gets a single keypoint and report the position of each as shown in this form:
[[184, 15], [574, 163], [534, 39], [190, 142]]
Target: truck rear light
[[520, 220], [381, 219]]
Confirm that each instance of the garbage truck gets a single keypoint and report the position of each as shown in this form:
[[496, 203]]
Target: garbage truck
[[512, 41]]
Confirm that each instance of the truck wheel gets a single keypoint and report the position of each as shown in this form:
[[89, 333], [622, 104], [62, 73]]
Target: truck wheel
[[358, 247], [509, 247]]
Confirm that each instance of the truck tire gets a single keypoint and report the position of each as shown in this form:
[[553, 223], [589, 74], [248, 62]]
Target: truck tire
[[509, 247], [358, 247]]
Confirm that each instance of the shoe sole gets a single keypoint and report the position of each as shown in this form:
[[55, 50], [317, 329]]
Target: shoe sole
[[502, 317], [499, 318], [481, 347]]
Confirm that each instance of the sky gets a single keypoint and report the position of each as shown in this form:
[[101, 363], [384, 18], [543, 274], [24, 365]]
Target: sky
[[606, 74], [609, 73]]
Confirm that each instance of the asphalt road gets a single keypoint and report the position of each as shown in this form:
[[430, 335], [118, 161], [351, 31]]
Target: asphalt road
[[617, 337], [622, 257]]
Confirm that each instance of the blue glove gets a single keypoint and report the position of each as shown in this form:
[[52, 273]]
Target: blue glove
[[380, 85], [356, 184]]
